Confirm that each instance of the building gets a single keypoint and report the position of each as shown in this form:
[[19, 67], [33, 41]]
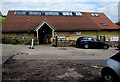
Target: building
[[66, 25]]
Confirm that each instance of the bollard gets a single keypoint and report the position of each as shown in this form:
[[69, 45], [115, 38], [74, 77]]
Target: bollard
[[56, 41], [32, 44]]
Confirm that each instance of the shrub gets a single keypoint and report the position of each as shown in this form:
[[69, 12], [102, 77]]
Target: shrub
[[15, 42], [9, 41], [28, 43], [5, 41]]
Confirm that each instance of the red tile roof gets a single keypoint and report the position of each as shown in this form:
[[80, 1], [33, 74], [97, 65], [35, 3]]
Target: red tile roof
[[60, 23]]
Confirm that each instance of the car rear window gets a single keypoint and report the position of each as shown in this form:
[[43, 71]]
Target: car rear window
[[116, 57]]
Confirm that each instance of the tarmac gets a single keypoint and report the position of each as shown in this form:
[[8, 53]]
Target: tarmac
[[49, 52]]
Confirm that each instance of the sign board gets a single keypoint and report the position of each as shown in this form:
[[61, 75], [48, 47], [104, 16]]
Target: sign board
[[61, 37], [78, 33], [72, 33], [114, 39]]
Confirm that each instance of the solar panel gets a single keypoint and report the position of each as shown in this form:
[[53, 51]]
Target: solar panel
[[64, 13]]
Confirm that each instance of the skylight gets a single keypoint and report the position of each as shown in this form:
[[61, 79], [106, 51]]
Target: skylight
[[104, 24], [94, 15]]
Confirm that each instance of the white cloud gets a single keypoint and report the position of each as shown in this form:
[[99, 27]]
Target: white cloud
[[53, 6], [111, 10], [43, 0], [60, 0]]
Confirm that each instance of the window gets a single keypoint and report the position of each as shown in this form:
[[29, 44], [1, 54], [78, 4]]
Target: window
[[94, 15], [91, 39], [104, 24]]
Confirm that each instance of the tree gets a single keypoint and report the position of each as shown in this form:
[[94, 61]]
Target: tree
[[118, 23]]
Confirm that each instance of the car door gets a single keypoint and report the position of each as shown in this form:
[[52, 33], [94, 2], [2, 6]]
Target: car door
[[100, 44], [93, 42], [117, 58]]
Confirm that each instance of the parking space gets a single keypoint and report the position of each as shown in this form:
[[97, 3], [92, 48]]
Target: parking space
[[65, 53]]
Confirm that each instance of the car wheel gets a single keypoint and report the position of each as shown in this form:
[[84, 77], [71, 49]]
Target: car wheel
[[109, 76], [105, 46], [86, 46]]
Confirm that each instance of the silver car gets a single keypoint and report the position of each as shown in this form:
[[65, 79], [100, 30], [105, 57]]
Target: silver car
[[111, 71]]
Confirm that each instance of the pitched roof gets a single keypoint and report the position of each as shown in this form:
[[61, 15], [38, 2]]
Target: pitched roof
[[60, 23]]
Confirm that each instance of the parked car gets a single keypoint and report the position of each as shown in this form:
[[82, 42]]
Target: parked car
[[90, 42], [118, 46], [111, 70]]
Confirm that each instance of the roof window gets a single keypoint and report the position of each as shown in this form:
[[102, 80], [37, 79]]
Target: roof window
[[104, 24], [94, 15]]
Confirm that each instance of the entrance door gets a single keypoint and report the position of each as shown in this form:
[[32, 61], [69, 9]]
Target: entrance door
[[41, 37], [45, 34]]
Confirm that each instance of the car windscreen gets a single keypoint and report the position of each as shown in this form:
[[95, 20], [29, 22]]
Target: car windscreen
[[116, 57]]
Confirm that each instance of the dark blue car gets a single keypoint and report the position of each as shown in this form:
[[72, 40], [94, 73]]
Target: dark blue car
[[90, 42]]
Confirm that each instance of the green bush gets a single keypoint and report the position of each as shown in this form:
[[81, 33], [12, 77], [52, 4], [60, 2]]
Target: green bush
[[15, 42], [28, 43], [8, 41], [5, 41]]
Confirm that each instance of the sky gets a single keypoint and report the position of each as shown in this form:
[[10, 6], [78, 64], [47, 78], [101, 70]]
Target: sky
[[109, 7]]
